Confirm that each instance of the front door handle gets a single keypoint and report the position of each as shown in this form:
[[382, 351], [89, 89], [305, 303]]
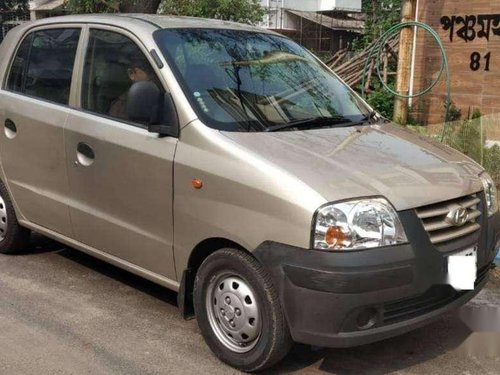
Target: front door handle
[[85, 154], [10, 128]]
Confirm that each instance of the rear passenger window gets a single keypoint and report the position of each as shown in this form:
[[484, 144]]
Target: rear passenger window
[[44, 65], [113, 63]]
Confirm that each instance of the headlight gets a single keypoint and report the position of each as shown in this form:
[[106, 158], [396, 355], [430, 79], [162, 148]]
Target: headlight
[[490, 191], [357, 224]]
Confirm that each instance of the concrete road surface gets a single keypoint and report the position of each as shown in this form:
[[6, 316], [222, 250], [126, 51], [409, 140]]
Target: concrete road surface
[[63, 312]]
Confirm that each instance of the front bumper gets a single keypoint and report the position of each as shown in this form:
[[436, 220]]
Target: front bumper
[[347, 299]]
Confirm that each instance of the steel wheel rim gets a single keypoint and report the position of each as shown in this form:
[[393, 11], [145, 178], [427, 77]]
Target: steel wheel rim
[[233, 313], [3, 220]]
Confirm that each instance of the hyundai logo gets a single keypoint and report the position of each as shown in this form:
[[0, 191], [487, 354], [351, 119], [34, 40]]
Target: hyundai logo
[[458, 216]]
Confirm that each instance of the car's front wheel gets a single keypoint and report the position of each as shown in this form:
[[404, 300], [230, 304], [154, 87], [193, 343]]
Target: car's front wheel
[[239, 312]]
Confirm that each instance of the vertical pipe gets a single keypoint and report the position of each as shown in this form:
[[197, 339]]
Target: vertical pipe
[[414, 54], [403, 75]]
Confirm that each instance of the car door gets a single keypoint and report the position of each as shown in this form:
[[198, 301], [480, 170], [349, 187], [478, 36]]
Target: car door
[[120, 174], [33, 110]]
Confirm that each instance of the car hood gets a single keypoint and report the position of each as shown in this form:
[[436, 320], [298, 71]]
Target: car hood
[[410, 170]]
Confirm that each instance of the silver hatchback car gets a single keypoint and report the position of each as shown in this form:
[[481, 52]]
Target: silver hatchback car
[[229, 164]]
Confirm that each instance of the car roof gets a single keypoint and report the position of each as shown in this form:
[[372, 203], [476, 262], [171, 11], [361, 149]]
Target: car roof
[[150, 20]]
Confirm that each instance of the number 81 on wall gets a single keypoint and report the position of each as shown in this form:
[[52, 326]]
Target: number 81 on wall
[[475, 61]]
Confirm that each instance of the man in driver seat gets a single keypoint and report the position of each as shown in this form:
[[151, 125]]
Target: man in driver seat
[[138, 70]]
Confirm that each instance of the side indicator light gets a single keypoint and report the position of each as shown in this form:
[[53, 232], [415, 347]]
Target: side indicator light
[[197, 184]]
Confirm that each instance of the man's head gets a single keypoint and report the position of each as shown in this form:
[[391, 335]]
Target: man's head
[[139, 70]]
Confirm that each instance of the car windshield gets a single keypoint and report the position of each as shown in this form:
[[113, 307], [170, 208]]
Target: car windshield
[[250, 81]]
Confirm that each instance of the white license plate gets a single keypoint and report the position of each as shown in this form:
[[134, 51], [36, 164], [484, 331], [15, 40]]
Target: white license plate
[[462, 269]]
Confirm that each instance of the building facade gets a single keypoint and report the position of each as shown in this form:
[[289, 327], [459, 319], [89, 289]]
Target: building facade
[[46, 8], [320, 25], [470, 31]]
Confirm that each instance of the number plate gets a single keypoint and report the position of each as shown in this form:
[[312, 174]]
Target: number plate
[[462, 269]]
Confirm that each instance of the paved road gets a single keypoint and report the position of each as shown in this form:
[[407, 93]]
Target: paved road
[[62, 312]]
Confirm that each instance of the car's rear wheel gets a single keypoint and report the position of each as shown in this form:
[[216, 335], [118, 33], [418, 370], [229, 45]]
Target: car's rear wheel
[[13, 237], [239, 312]]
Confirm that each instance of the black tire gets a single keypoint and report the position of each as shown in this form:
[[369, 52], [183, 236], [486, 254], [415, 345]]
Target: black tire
[[274, 340], [14, 238]]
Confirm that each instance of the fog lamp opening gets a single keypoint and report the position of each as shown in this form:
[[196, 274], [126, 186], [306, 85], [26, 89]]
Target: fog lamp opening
[[367, 318]]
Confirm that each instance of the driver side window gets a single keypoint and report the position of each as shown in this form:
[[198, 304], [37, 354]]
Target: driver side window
[[113, 64]]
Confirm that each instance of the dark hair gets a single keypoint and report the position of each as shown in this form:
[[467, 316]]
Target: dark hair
[[140, 63]]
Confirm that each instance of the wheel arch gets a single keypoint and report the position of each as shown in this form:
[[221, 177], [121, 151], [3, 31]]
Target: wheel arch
[[200, 252]]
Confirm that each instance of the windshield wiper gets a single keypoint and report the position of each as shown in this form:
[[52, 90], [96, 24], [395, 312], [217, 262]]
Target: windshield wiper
[[316, 122]]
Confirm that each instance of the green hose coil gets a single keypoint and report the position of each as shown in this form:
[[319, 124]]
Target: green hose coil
[[376, 53]]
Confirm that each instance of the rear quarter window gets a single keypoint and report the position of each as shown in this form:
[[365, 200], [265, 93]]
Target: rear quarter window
[[19, 65]]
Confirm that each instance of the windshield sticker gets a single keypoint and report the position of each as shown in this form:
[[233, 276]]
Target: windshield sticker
[[202, 103]]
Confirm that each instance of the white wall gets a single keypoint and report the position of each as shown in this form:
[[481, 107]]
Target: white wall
[[354, 5], [313, 5], [277, 19], [36, 3]]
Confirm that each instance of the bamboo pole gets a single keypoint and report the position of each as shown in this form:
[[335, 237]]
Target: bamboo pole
[[404, 64]]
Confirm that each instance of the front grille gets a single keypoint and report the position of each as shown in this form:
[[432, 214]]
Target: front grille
[[436, 297], [440, 228]]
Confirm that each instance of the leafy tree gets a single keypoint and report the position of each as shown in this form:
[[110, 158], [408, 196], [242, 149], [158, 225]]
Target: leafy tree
[[10, 5], [381, 15], [115, 6], [247, 11]]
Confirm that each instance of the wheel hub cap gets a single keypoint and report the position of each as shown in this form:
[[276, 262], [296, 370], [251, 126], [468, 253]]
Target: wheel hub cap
[[234, 313], [3, 219]]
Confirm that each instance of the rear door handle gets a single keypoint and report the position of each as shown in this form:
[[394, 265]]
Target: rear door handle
[[85, 154]]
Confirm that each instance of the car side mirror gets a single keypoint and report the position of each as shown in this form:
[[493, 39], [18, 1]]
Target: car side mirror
[[146, 104]]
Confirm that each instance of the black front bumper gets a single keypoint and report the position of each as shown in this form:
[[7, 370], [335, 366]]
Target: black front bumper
[[329, 296]]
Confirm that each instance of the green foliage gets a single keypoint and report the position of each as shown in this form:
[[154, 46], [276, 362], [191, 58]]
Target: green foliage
[[381, 15], [491, 162], [246, 11], [9, 5], [382, 101], [465, 136], [476, 114], [93, 6], [114, 6], [452, 112]]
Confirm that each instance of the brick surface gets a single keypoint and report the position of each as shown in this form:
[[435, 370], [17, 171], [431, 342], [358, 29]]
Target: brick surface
[[471, 90]]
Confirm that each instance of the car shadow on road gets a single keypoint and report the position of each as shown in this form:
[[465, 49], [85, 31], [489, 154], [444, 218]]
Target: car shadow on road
[[399, 353], [120, 275], [391, 355], [39, 244]]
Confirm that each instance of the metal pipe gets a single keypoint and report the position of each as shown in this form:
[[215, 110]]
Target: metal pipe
[[414, 55]]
